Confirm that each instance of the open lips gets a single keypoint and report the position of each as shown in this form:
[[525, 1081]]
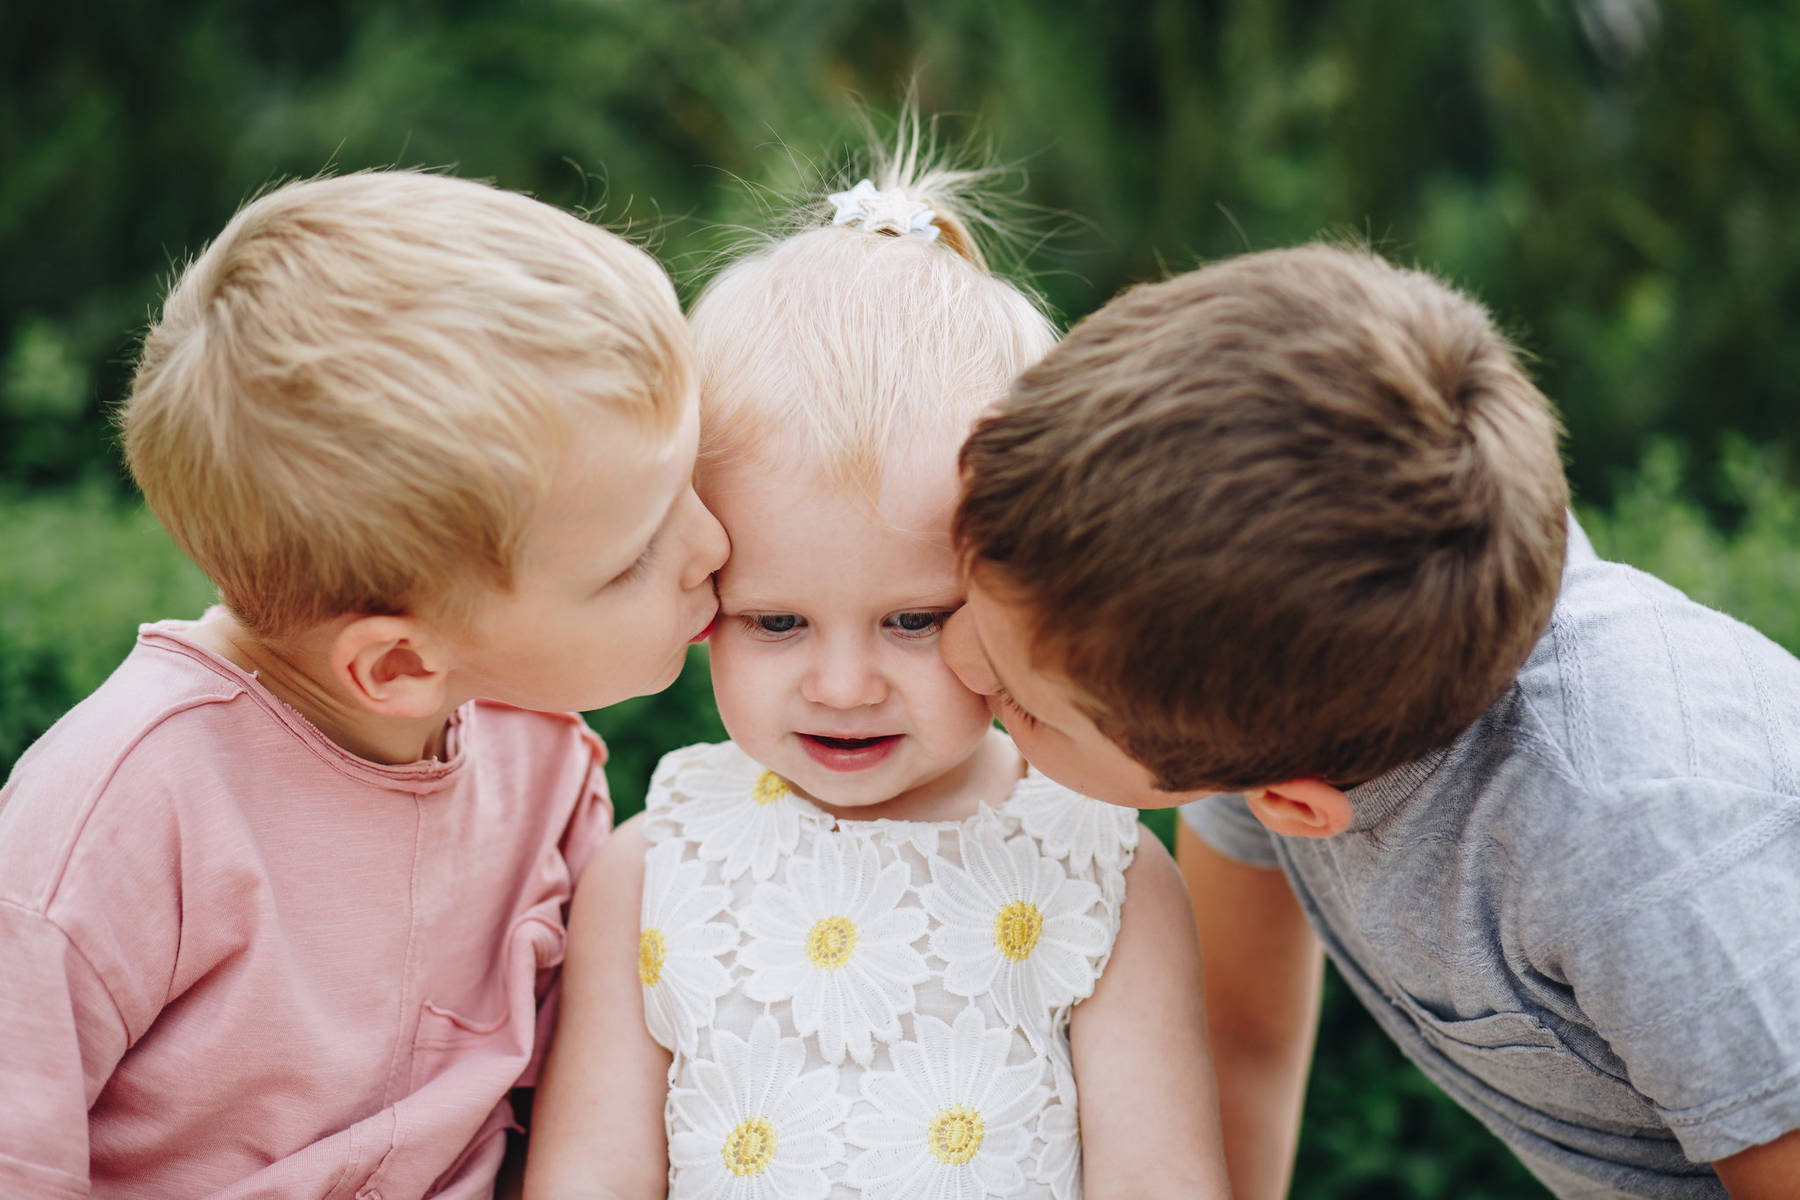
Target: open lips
[[848, 754]]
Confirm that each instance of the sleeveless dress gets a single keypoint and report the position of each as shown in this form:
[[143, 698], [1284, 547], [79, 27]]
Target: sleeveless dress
[[871, 1008]]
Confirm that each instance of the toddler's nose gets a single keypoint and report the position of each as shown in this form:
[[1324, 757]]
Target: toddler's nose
[[843, 677]]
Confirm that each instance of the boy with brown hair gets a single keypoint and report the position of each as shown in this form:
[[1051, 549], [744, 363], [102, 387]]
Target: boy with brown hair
[[283, 901], [1286, 539]]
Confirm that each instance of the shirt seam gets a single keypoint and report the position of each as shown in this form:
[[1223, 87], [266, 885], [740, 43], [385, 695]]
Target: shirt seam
[[75, 947]]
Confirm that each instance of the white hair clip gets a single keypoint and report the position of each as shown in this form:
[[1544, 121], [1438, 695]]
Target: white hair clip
[[883, 212]]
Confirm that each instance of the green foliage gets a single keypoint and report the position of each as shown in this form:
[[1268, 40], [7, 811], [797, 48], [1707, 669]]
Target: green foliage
[[1751, 572], [82, 571], [1617, 180]]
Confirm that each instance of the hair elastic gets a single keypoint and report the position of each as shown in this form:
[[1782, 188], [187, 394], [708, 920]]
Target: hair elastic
[[883, 212]]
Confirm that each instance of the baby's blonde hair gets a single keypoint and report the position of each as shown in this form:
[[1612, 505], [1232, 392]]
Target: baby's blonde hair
[[847, 344], [356, 395]]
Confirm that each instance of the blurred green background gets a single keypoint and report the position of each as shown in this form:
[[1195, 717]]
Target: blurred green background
[[1616, 178]]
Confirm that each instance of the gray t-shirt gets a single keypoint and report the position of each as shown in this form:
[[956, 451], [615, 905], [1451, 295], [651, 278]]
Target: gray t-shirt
[[1582, 919]]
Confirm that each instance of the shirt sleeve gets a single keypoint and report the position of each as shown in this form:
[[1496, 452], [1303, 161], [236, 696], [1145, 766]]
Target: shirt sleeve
[[1223, 821], [60, 1038], [1683, 949]]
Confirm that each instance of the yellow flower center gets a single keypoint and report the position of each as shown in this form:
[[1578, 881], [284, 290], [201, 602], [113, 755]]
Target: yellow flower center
[[750, 1148], [955, 1135], [1017, 928], [830, 942], [769, 788], [651, 953]]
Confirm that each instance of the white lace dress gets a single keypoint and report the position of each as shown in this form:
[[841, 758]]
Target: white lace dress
[[871, 1008]]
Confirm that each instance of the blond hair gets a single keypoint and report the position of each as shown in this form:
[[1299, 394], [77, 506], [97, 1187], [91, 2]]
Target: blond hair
[[846, 344], [1296, 514], [355, 395]]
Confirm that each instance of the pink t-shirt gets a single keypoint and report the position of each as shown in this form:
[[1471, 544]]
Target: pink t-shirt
[[236, 960]]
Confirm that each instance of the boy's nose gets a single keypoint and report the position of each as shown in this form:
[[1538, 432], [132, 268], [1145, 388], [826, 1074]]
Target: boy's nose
[[962, 654], [842, 677], [708, 544]]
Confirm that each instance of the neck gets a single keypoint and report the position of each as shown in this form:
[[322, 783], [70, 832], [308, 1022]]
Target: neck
[[300, 675]]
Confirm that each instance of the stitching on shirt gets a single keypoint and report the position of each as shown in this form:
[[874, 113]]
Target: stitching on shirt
[[1741, 845], [1681, 697], [1687, 1118], [53, 884], [1707, 999], [403, 1043], [118, 1012], [1778, 756], [1574, 693]]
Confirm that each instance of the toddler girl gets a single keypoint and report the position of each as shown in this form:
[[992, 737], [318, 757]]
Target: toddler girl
[[860, 949]]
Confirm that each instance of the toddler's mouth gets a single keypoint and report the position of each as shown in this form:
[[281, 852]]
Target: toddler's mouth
[[848, 753], [843, 743]]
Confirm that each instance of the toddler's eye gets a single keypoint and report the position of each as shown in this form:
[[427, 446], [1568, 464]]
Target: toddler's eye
[[776, 622], [919, 622]]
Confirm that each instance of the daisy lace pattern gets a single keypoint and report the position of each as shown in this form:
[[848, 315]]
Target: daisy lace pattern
[[741, 829], [834, 939], [756, 1125], [952, 1121], [1094, 838], [1013, 923], [1059, 1131], [929, 967], [679, 947]]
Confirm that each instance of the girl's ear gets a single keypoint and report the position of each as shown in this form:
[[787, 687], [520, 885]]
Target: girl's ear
[[1300, 808], [391, 666]]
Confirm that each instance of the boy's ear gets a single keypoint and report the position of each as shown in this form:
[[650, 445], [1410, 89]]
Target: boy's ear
[[1300, 808], [391, 666]]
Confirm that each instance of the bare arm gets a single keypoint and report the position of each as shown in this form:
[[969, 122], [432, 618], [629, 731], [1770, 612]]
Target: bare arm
[[1149, 1114], [1766, 1172], [597, 1126], [1263, 973]]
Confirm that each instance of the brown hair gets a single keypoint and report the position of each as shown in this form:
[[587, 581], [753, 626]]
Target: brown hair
[[1296, 514], [354, 398]]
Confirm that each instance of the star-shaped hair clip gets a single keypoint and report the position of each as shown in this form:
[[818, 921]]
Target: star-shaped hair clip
[[883, 212]]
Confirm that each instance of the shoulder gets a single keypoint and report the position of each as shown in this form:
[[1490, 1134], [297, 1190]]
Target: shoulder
[[116, 770], [1092, 839], [1634, 681], [702, 770]]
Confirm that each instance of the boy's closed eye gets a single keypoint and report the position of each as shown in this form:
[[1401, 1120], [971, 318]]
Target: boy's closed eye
[[1016, 709]]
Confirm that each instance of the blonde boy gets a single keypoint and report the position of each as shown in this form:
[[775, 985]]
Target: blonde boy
[[1287, 537], [283, 901]]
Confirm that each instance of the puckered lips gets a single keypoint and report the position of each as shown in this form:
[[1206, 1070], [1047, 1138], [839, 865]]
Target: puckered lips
[[848, 753]]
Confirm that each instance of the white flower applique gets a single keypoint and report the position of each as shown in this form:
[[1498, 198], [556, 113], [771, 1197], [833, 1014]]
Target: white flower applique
[[756, 1127], [1087, 833], [740, 828], [1013, 923], [832, 938], [951, 1121], [1059, 1130], [679, 945]]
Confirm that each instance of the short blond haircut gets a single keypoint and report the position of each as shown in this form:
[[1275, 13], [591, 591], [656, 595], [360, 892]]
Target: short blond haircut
[[356, 394], [1297, 514], [842, 346]]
